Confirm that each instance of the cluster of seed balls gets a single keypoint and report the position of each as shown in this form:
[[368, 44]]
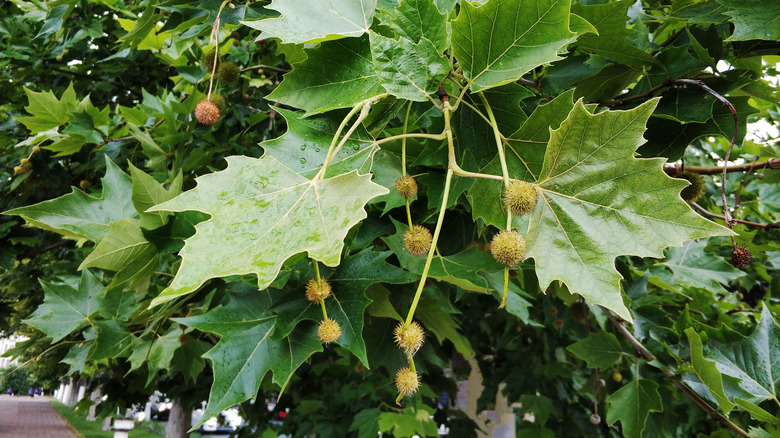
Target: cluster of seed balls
[[508, 246], [25, 164], [329, 330], [208, 111]]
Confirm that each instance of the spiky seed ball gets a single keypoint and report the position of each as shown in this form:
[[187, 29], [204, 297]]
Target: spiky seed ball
[[36, 150], [696, 190], [508, 247], [417, 241], [207, 112], [329, 331], [407, 381], [218, 100], [409, 338], [228, 72], [19, 170], [520, 197], [316, 291], [406, 186], [208, 60], [741, 257]]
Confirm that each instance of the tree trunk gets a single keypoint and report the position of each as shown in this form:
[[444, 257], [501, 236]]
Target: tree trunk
[[179, 421], [95, 397]]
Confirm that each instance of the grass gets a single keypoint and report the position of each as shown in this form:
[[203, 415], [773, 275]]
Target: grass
[[91, 429]]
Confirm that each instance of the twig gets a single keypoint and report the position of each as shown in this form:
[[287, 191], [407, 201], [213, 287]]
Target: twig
[[535, 86], [642, 350], [742, 183], [47, 248], [739, 221], [730, 222], [265, 67], [772, 163]]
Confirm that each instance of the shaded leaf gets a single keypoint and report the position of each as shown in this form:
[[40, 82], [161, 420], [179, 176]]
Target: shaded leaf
[[246, 351], [707, 370], [694, 267], [81, 216], [599, 350], [66, 308], [408, 70], [348, 301], [631, 405]]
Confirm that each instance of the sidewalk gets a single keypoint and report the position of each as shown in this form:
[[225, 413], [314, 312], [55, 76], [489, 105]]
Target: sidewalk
[[26, 417]]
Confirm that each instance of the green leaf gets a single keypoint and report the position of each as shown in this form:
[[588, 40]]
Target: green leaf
[[66, 308], [436, 314], [47, 111], [305, 144], [753, 19], [147, 192], [302, 21], [501, 40], [408, 70], [461, 269], [611, 22], [262, 213], [113, 338], [337, 74], [348, 302], [753, 361], [124, 250], [694, 267], [590, 173], [417, 19], [707, 370], [631, 405], [246, 351], [757, 412], [599, 350], [118, 303], [81, 216]]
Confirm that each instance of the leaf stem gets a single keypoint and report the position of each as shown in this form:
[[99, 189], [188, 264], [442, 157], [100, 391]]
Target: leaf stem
[[364, 107], [429, 259], [403, 140], [441, 136], [499, 143]]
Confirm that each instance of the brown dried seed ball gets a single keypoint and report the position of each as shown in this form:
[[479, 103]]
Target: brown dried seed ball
[[409, 338], [228, 72], [508, 247], [520, 197], [417, 241], [407, 381], [696, 190], [316, 291], [329, 331], [741, 257], [207, 112], [406, 186]]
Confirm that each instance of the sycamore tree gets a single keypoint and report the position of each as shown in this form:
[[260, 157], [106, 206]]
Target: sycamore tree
[[339, 205]]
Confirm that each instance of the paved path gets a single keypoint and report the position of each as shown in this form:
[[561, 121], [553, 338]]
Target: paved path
[[26, 417]]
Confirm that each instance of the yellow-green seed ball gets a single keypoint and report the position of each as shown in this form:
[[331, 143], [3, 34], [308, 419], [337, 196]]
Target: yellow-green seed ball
[[520, 197], [417, 241], [329, 331], [407, 381], [316, 291], [409, 338], [228, 72], [406, 186], [508, 247]]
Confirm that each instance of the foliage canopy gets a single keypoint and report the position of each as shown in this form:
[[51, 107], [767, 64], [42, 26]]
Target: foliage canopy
[[180, 256]]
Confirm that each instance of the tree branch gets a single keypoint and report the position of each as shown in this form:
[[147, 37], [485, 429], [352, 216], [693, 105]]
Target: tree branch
[[47, 248], [675, 169], [644, 352], [739, 221]]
